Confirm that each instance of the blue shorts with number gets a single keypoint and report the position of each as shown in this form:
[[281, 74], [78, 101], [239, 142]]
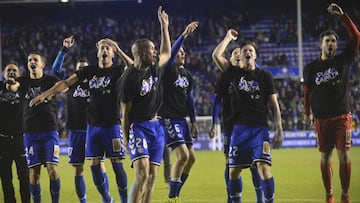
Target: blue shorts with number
[[146, 139], [249, 145], [76, 149], [42, 148], [104, 140], [176, 132]]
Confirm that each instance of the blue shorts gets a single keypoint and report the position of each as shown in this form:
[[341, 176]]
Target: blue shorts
[[226, 139], [42, 148], [249, 145], [176, 132], [104, 140], [76, 149], [146, 139]]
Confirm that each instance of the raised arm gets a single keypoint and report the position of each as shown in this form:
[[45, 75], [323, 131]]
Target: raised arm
[[278, 138], [354, 34], [57, 66], [60, 86], [165, 45], [190, 28], [221, 62]]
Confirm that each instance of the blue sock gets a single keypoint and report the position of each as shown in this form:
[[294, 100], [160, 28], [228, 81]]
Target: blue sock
[[131, 190], [100, 183], [106, 181], [235, 187], [174, 188], [121, 180], [80, 188], [184, 177], [256, 182], [268, 188], [226, 176], [55, 190], [35, 191]]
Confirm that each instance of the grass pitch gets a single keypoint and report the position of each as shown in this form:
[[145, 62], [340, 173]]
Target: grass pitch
[[296, 172]]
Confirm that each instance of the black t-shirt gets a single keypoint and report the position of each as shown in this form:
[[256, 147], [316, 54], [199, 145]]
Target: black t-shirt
[[250, 95], [104, 104], [43, 117], [328, 80], [177, 83], [76, 106], [11, 112], [143, 89]]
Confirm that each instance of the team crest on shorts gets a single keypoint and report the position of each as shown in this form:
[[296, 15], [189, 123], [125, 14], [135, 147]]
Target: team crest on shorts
[[56, 151], [266, 147], [116, 143]]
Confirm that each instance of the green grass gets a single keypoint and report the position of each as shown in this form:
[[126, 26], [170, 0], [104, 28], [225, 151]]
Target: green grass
[[296, 172]]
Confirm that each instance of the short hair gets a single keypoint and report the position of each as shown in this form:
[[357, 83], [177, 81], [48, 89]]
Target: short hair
[[328, 32], [141, 43], [40, 54], [251, 43], [9, 63]]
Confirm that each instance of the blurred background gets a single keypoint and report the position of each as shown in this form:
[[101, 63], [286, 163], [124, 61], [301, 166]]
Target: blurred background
[[286, 31]]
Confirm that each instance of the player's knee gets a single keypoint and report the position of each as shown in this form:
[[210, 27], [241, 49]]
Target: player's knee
[[183, 158], [344, 156], [34, 175], [142, 176], [326, 156], [264, 170], [191, 159], [52, 172], [234, 173], [79, 170]]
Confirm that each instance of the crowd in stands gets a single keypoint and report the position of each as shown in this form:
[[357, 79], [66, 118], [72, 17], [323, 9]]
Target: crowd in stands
[[47, 32]]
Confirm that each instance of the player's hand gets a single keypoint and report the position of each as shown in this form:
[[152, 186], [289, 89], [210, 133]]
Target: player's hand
[[308, 119], [212, 131], [278, 139], [69, 41], [232, 34], [10, 81], [194, 130], [163, 17], [113, 44], [335, 9], [37, 100], [190, 28]]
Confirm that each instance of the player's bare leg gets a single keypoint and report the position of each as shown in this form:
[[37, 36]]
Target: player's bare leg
[[327, 173], [141, 169], [345, 174]]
